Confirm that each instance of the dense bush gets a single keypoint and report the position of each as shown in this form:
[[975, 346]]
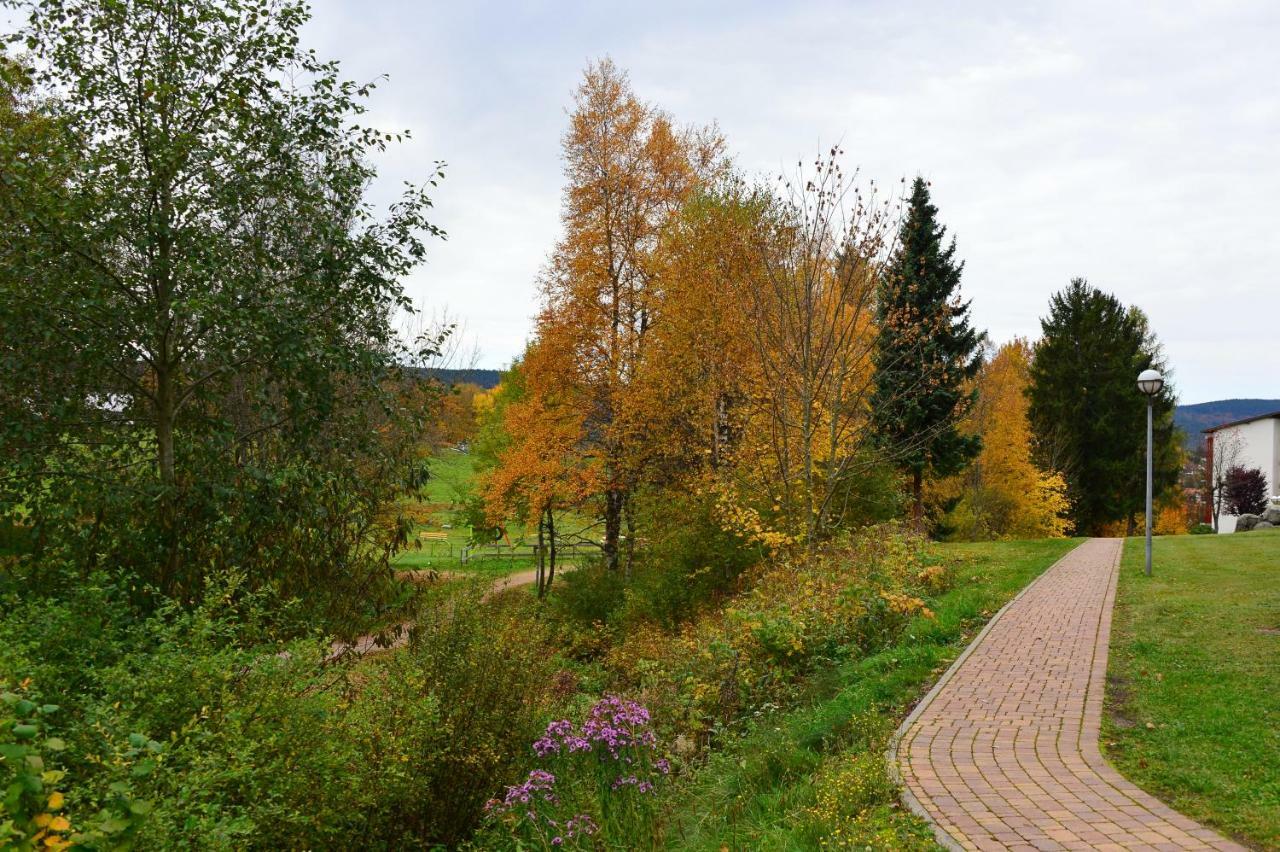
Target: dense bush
[[689, 561], [1246, 491], [797, 617], [216, 742], [490, 667], [719, 673], [13, 538], [34, 811], [588, 597]]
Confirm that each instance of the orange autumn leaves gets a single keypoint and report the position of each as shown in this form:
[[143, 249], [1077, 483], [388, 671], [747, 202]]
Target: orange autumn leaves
[[590, 410], [701, 335], [698, 333], [541, 468]]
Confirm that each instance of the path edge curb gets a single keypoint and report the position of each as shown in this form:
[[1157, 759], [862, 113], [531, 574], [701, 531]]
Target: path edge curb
[[908, 798]]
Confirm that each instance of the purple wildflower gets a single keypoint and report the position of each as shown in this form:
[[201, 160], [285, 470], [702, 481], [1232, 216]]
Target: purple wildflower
[[616, 729], [538, 785], [618, 724], [557, 734], [581, 824]]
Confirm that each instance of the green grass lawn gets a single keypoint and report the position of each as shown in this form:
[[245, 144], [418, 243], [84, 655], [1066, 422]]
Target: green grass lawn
[[1194, 680], [452, 482], [757, 792]]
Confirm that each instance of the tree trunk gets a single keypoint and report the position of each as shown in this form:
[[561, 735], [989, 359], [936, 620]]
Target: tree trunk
[[1215, 502], [551, 540], [613, 500], [807, 439], [165, 361], [538, 578], [631, 536], [166, 399], [917, 499]]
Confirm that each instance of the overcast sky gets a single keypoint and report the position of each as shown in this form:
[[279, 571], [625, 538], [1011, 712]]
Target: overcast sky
[[1134, 144]]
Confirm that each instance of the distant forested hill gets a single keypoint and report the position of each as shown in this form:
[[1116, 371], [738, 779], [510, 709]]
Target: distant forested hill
[[484, 378], [1194, 418]]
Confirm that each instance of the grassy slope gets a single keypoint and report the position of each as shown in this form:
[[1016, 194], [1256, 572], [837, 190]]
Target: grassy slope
[[1193, 657], [757, 792], [452, 481]]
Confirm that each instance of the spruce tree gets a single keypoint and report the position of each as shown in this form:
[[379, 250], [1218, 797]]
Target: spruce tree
[[926, 352], [1087, 414]]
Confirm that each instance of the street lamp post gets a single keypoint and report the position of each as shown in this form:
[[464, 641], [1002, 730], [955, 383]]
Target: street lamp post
[[1149, 382]]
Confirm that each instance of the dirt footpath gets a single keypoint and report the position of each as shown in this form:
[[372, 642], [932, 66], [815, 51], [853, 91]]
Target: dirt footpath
[[399, 635]]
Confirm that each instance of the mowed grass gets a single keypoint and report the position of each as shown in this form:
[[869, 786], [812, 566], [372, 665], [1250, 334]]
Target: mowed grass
[[757, 792], [1194, 680], [452, 482]]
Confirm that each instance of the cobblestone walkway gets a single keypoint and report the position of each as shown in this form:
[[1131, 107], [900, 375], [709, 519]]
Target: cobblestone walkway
[[1003, 753]]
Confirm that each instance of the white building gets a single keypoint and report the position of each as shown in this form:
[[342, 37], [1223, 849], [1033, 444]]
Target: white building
[[1248, 443]]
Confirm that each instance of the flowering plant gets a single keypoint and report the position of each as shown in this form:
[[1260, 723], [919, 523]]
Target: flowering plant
[[605, 773]]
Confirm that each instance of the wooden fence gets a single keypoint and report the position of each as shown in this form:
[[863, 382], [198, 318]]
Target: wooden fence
[[524, 552]]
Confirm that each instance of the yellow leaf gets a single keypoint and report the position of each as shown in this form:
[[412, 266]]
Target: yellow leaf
[[55, 801]]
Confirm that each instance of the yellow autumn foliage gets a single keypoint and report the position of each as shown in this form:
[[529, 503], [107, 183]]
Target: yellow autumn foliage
[[1004, 494], [791, 614]]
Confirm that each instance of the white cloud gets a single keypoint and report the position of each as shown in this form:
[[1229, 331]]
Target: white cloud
[[1133, 144]]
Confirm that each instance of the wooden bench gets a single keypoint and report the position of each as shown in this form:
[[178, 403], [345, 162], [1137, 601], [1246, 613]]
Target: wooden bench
[[427, 535]]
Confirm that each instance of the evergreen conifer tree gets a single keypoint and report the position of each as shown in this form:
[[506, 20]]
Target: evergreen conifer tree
[[1087, 415], [926, 354]]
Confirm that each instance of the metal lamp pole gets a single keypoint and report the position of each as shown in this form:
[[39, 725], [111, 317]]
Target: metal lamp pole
[[1150, 402], [1149, 382]]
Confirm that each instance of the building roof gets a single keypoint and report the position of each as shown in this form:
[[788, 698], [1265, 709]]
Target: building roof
[[1241, 421]]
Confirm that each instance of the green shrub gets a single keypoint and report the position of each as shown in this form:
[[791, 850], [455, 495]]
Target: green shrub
[[14, 539], [490, 668], [1201, 529], [402, 749], [61, 642], [35, 812], [588, 596], [687, 561], [265, 745]]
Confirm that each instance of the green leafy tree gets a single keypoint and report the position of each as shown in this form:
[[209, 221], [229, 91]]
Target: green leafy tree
[[29, 141], [927, 352], [197, 296], [1087, 414]]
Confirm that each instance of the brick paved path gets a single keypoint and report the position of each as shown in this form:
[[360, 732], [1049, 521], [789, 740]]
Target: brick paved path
[[1003, 753]]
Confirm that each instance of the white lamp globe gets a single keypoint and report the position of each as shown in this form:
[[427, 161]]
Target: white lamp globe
[[1150, 382]]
